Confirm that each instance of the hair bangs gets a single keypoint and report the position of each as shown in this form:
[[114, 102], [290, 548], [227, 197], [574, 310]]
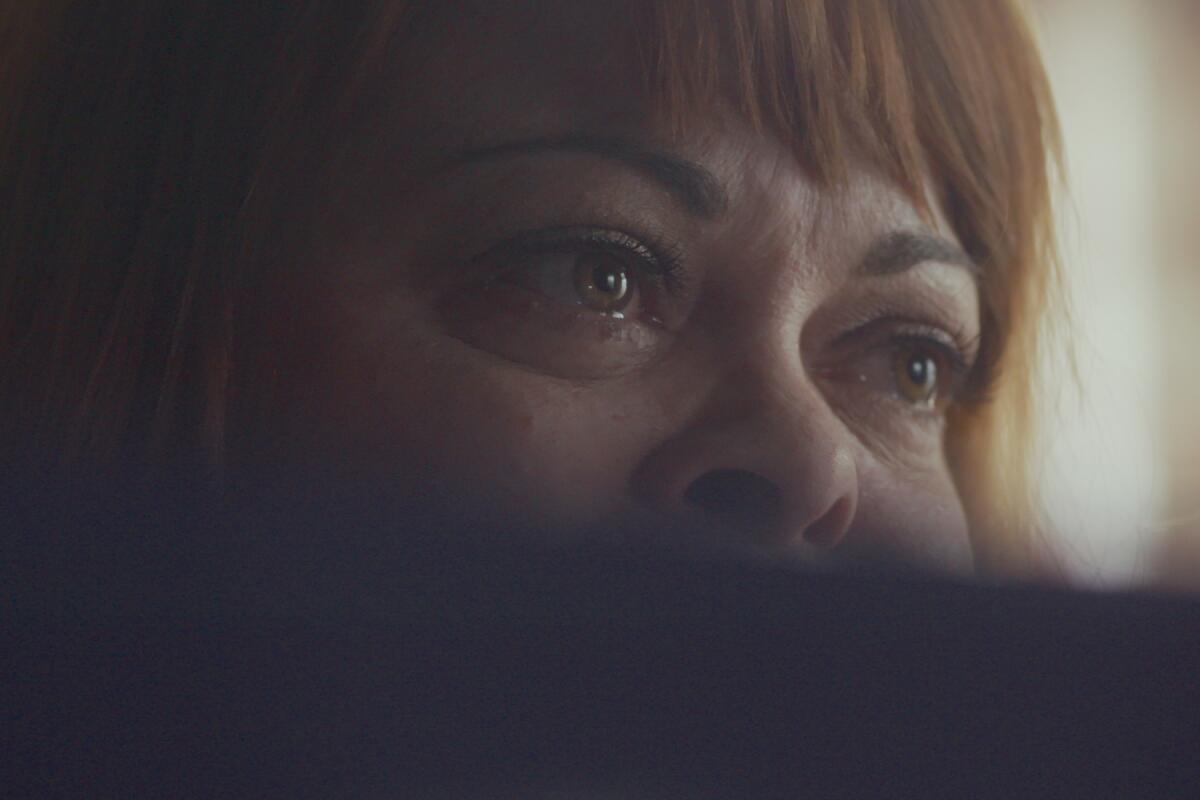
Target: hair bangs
[[926, 90]]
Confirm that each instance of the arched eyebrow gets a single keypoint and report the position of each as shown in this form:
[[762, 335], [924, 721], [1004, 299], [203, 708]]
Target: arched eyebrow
[[901, 250], [696, 188], [702, 194]]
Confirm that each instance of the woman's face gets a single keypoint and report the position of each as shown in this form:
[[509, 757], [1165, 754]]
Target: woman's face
[[534, 294]]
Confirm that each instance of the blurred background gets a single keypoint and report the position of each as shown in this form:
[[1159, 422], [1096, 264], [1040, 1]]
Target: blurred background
[[1121, 461]]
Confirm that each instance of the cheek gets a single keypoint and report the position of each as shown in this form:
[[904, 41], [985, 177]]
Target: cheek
[[406, 400], [911, 517]]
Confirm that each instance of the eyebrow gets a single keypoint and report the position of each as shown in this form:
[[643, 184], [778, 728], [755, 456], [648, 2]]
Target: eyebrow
[[698, 189], [901, 250]]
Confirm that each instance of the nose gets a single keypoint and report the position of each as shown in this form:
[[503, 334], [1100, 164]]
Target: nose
[[774, 470]]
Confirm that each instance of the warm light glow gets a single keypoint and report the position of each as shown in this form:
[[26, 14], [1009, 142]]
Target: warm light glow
[[1106, 469]]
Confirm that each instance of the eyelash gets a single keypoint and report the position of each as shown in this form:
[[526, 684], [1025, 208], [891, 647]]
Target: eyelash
[[944, 343], [654, 258], [954, 347], [660, 262]]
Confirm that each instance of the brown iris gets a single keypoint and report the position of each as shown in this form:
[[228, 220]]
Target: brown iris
[[602, 282], [916, 376]]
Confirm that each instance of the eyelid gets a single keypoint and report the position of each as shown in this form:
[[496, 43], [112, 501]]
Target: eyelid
[[957, 344], [956, 360], [658, 260]]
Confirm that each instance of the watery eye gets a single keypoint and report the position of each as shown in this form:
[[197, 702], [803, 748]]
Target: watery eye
[[916, 374], [603, 282]]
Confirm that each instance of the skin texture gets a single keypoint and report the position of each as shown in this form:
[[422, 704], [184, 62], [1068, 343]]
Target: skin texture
[[766, 371]]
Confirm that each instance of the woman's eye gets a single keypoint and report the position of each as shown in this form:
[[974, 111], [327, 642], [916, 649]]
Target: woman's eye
[[917, 377], [594, 279], [922, 369], [575, 303], [605, 271], [602, 283]]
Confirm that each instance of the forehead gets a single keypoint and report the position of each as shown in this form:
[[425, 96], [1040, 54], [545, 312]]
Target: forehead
[[478, 73], [478, 69]]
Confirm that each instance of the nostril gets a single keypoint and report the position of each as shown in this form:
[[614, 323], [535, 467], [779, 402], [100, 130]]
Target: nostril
[[737, 497], [827, 531]]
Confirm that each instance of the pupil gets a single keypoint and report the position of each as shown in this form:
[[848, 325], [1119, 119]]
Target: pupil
[[920, 370], [609, 281]]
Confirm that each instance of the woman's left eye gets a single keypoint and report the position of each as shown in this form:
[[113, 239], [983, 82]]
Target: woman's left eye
[[917, 376], [923, 370]]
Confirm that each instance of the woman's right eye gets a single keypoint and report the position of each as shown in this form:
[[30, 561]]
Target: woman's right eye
[[594, 279], [606, 271], [569, 302]]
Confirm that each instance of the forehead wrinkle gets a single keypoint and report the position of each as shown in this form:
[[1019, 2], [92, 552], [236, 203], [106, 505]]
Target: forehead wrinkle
[[527, 62]]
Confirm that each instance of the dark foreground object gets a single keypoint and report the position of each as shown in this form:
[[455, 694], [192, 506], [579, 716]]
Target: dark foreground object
[[173, 643]]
